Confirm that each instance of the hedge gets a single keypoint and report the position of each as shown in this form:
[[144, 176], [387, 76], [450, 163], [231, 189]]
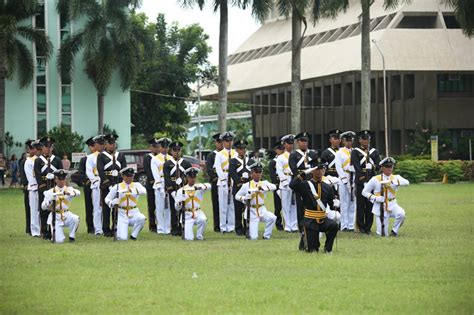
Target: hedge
[[428, 171]]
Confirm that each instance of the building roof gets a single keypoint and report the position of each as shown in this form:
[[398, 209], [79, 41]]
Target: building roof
[[413, 37], [211, 118]]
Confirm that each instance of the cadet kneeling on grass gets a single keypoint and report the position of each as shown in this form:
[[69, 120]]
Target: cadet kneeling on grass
[[59, 197], [125, 195], [318, 199], [381, 191], [190, 196], [252, 194]]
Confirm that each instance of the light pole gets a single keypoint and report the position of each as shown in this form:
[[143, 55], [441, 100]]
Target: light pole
[[199, 117], [384, 95]]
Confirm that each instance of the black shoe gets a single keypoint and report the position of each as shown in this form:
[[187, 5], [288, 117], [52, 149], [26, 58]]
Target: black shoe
[[344, 230], [108, 234], [279, 227], [217, 230], [133, 238], [153, 229], [239, 233], [47, 236], [71, 240], [392, 233], [368, 232]]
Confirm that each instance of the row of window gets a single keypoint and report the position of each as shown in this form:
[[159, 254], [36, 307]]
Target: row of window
[[41, 76]]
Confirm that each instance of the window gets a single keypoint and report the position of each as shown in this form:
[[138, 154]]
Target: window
[[337, 94], [450, 21], [66, 95], [455, 84], [41, 80], [317, 96], [424, 21], [409, 86]]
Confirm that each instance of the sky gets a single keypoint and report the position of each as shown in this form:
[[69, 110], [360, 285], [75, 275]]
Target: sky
[[241, 23]]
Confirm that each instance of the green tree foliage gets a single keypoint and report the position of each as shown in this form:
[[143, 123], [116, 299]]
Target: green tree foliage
[[178, 57], [66, 142]]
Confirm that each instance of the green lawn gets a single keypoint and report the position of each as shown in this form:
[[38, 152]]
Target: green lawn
[[428, 269]]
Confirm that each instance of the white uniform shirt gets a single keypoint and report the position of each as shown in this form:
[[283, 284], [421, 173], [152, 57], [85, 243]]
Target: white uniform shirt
[[191, 197], [378, 195], [343, 164], [283, 169], [91, 170], [257, 190], [127, 194], [62, 196], [30, 173], [156, 165], [221, 165]]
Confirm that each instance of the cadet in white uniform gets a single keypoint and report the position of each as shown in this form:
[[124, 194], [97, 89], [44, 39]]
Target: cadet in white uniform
[[190, 196], [381, 191], [345, 172], [252, 194], [288, 201], [224, 183], [93, 175], [33, 198], [60, 197], [162, 209], [126, 195]]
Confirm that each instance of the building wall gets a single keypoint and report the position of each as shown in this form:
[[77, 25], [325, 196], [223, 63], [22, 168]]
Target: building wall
[[414, 101], [21, 109]]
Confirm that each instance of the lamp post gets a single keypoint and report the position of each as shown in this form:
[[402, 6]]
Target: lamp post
[[384, 95], [199, 117]]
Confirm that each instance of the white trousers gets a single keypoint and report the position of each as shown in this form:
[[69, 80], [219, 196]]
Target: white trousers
[[34, 213], [289, 210], [226, 209], [97, 211], [162, 212], [69, 220], [264, 216], [135, 218], [348, 207], [397, 213], [200, 220]]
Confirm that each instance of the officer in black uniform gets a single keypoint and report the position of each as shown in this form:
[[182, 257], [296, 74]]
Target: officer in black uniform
[[211, 172], [239, 171], [86, 184], [299, 161], [150, 192], [278, 149], [24, 185], [175, 178], [45, 166], [316, 196], [330, 153], [109, 164], [366, 163]]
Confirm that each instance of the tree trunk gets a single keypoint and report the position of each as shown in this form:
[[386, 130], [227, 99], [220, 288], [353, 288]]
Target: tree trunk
[[100, 107], [365, 71], [295, 72], [2, 105], [223, 45]]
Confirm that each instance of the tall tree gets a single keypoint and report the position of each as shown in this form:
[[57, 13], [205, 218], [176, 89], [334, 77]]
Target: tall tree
[[109, 44], [221, 6], [297, 9], [464, 12], [178, 56], [15, 57]]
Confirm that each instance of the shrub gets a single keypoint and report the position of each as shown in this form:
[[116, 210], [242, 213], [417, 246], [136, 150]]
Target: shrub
[[427, 171], [453, 169], [66, 141]]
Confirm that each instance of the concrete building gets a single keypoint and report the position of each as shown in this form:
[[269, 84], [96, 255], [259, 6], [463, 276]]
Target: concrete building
[[429, 63], [48, 102]]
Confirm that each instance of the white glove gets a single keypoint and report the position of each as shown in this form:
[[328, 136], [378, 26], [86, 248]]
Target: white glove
[[179, 181], [245, 175], [114, 173], [379, 199], [156, 185], [114, 202], [385, 182], [368, 166], [247, 197], [50, 176], [173, 194], [199, 186], [95, 182], [309, 170], [336, 203]]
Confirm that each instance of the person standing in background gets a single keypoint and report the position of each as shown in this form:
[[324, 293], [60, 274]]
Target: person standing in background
[[66, 163], [13, 165], [3, 166]]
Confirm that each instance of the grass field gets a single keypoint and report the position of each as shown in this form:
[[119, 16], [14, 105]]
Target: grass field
[[428, 269]]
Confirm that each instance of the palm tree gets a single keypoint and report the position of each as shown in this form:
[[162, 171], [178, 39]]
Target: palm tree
[[15, 57], [222, 7], [297, 9], [109, 43], [464, 12]]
